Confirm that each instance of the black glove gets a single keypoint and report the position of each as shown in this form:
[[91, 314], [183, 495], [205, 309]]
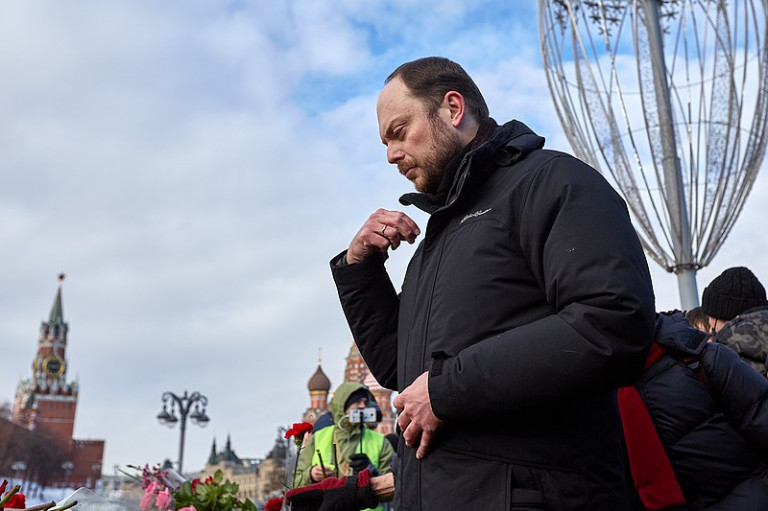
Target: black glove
[[360, 462], [346, 494]]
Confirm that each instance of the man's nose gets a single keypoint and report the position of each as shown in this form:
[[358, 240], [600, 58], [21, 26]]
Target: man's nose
[[394, 153]]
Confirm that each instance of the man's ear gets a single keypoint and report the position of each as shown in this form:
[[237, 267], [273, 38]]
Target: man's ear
[[454, 103]]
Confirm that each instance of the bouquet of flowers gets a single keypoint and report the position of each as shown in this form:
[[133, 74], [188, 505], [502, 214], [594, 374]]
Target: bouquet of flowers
[[165, 490]]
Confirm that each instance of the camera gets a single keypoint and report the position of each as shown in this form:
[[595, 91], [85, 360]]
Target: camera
[[364, 416]]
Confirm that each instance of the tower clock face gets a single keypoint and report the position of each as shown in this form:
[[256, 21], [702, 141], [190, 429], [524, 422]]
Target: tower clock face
[[53, 365]]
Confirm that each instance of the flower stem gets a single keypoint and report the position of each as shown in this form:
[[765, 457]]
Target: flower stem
[[68, 506], [296, 465], [13, 491], [42, 507]]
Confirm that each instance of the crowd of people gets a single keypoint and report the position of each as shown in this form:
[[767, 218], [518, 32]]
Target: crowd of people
[[533, 371]]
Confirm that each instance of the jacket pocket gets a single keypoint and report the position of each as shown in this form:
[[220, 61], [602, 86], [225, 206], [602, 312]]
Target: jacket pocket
[[455, 481], [450, 480], [526, 500], [547, 489]]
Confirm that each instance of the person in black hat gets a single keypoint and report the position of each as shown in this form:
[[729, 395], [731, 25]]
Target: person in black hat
[[736, 304]]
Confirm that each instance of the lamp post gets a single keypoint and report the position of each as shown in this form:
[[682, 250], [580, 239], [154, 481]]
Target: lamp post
[[67, 466], [183, 405], [95, 474], [17, 467]]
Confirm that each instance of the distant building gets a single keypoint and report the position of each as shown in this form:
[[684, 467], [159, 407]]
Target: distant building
[[257, 479], [384, 399], [241, 471], [319, 386], [355, 369], [272, 470], [46, 404]]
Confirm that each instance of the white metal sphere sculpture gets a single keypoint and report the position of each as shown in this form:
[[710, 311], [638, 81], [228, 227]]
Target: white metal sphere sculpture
[[669, 97]]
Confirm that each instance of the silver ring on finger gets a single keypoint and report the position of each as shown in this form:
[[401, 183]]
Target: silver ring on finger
[[384, 229]]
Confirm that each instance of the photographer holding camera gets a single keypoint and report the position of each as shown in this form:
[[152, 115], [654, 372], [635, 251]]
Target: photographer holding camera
[[350, 445]]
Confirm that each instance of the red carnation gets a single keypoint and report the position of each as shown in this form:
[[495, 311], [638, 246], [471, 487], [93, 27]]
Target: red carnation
[[298, 431], [16, 502], [195, 482], [275, 504]]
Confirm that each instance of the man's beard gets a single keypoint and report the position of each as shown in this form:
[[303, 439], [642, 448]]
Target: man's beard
[[443, 146]]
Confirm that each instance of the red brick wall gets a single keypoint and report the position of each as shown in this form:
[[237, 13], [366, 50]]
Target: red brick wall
[[87, 457], [56, 416]]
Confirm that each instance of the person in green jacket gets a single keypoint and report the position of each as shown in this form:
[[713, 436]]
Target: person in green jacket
[[357, 445]]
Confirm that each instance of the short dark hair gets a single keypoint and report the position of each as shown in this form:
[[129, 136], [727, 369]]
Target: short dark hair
[[698, 319], [430, 78]]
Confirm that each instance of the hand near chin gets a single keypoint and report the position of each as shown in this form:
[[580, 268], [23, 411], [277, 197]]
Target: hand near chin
[[383, 230]]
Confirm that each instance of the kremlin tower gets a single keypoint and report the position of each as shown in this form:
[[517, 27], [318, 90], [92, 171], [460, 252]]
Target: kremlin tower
[[46, 403]]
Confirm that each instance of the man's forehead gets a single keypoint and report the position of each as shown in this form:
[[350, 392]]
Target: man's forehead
[[392, 95], [395, 103]]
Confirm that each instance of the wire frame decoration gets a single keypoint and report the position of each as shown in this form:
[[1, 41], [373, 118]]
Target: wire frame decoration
[[670, 99]]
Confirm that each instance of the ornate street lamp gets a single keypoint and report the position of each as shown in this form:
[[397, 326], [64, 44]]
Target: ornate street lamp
[[183, 405], [18, 467], [67, 466]]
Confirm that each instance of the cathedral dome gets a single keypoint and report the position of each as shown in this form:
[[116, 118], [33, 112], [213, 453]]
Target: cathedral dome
[[319, 381]]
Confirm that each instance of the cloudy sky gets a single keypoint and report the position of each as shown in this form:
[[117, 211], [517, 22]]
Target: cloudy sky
[[192, 166]]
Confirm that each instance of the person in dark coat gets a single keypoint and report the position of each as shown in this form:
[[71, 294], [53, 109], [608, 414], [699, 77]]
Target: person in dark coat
[[736, 304], [525, 306], [709, 412]]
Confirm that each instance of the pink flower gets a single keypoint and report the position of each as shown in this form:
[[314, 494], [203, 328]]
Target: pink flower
[[151, 487], [188, 508], [149, 496], [147, 501], [164, 500]]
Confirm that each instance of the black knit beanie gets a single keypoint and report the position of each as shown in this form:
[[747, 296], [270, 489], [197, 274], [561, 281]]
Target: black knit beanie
[[356, 396], [731, 293]]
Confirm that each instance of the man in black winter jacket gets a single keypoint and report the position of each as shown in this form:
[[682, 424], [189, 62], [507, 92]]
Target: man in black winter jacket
[[527, 303]]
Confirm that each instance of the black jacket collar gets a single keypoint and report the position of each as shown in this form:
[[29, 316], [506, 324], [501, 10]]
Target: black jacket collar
[[494, 146]]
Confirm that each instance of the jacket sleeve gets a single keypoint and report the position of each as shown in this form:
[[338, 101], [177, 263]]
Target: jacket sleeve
[[370, 305], [740, 391], [581, 248], [304, 465]]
